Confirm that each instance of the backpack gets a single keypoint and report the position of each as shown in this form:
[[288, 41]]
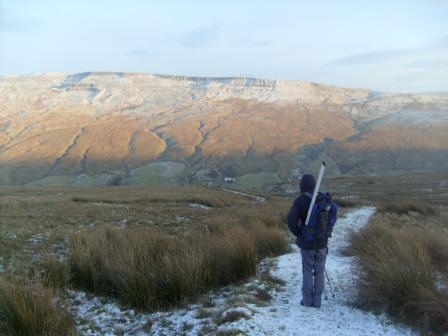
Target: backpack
[[322, 218]]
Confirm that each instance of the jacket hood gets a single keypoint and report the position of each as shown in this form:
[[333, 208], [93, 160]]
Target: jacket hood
[[307, 184]]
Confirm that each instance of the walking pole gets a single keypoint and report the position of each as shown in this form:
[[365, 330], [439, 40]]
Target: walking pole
[[325, 293], [329, 283], [316, 190]]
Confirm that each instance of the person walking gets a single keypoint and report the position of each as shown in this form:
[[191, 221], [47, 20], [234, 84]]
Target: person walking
[[313, 248]]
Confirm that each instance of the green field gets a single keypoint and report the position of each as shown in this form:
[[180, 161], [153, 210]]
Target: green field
[[156, 174], [78, 181], [256, 180]]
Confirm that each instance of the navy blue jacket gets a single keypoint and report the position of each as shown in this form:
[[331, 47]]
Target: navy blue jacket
[[296, 216], [298, 212]]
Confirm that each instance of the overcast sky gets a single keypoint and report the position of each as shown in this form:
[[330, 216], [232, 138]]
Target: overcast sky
[[384, 45]]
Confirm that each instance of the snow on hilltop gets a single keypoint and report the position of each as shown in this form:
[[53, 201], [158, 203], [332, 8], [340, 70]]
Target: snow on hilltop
[[55, 128]]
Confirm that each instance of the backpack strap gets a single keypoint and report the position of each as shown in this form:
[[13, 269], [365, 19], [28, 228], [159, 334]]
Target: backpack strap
[[307, 194]]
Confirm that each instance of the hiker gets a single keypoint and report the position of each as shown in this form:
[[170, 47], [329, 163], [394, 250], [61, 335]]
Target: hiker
[[313, 247]]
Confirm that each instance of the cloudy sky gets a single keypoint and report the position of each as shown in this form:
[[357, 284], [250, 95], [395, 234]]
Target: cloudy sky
[[385, 45]]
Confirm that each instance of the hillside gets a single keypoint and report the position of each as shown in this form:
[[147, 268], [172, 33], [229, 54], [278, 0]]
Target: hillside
[[133, 129]]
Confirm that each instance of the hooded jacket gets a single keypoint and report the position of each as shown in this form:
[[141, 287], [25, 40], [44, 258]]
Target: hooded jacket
[[298, 212]]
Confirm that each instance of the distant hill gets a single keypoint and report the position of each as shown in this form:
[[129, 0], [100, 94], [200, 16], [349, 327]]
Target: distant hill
[[119, 128]]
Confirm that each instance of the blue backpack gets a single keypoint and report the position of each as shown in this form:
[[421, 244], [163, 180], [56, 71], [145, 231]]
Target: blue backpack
[[322, 218]]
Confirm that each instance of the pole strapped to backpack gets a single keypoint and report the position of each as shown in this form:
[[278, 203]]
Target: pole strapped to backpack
[[316, 190]]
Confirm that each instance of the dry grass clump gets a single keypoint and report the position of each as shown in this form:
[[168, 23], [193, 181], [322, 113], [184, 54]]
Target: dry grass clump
[[142, 268], [396, 271], [438, 246], [233, 256], [232, 316], [346, 202], [56, 273], [269, 216], [267, 230], [7, 246], [403, 208], [213, 201], [269, 241], [149, 269], [28, 309]]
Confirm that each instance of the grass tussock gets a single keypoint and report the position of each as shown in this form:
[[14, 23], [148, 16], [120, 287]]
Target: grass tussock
[[232, 316], [347, 202], [396, 271], [403, 208], [28, 309], [143, 268], [233, 256], [267, 229], [149, 269], [438, 247], [56, 273], [269, 241]]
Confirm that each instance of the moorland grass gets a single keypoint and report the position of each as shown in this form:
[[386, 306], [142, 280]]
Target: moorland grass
[[140, 265], [403, 208], [28, 309], [210, 201], [206, 196], [268, 230], [149, 269], [269, 241], [397, 271], [347, 202], [56, 273]]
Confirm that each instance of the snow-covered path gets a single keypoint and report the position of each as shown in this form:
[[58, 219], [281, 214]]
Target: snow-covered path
[[282, 316], [285, 316]]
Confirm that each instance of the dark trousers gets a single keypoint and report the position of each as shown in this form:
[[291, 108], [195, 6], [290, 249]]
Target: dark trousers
[[313, 269]]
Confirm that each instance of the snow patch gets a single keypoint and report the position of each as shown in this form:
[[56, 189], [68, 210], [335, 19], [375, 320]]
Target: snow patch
[[254, 197], [11, 235], [37, 238], [198, 206], [99, 316], [60, 248], [123, 224], [184, 219]]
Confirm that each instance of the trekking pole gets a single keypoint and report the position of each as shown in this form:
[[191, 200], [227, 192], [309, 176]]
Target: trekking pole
[[325, 293], [316, 190], [329, 283]]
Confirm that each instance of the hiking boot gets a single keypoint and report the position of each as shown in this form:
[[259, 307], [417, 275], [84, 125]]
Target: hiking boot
[[303, 304], [316, 303]]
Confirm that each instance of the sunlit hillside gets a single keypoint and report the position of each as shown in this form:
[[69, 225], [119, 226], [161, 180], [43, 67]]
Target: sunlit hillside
[[141, 129]]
